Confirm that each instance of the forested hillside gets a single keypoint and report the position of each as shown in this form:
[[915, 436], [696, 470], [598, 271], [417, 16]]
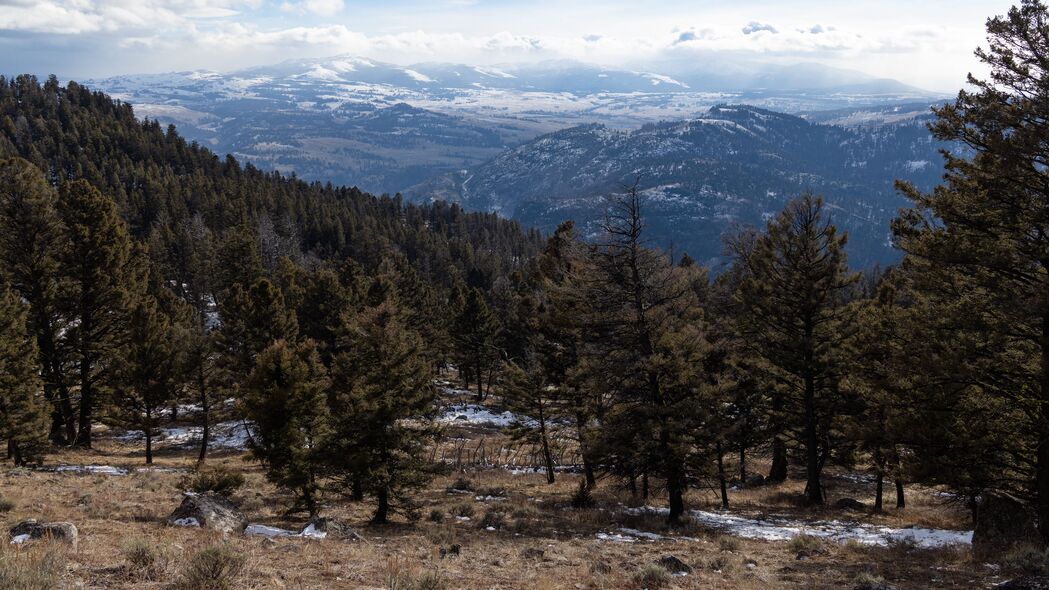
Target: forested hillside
[[160, 182]]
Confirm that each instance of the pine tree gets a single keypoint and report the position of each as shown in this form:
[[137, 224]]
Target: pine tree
[[646, 346], [792, 300], [529, 396], [284, 397], [252, 319], [474, 334], [382, 402], [23, 407], [100, 269], [146, 373], [978, 254], [30, 245]]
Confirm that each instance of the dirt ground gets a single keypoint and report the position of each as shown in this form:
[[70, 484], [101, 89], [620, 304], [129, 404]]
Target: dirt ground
[[513, 531]]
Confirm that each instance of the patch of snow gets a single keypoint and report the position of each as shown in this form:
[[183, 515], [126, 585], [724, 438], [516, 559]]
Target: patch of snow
[[92, 469], [474, 414], [493, 73], [781, 528], [262, 530], [311, 532], [19, 539], [188, 521], [417, 76]]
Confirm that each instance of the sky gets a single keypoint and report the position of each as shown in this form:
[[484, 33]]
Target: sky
[[925, 43]]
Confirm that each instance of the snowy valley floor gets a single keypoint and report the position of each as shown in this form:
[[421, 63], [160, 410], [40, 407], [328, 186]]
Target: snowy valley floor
[[513, 530]]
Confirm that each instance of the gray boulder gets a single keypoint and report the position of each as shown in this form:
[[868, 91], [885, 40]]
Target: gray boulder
[[330, 528], [208, 510], [1003, 523], [674, 565], [29, 530], [850, 504]]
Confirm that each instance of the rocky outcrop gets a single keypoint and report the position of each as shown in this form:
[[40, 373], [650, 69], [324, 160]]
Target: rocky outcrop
[[674, 565], [329, 528], [208, 510], [29, 530]]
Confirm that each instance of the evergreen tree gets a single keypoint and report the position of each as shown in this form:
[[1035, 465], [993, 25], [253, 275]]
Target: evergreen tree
[[23, 408], [645, 353], [100, 269], [284, 397], [792, 302], [146, 373], [532, 399], [30, 245], [978, 249], [382, 402], [252, 319], [474, 334]]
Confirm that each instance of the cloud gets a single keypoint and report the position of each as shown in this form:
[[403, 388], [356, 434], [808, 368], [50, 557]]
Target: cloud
[[74, 17], [756, 27]]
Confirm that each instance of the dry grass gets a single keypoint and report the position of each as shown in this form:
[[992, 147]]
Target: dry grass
[[539, 542]]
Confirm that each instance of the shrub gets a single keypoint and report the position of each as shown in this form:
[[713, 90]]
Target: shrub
[[868, 579], [220, 480], [436, 515], [721, 563], [583, 497], [463, 510], [142, 557], [6, 505], [651, 577], [31, 571], [401, 577], [1027, 559], [462, 484], [493, 518], [213, 568], [806, 544], [726, 543]]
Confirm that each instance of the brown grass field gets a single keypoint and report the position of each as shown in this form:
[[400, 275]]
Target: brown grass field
[[540, 542]]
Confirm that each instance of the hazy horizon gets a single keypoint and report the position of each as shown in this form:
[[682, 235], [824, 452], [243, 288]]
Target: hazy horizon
[[928, 46]]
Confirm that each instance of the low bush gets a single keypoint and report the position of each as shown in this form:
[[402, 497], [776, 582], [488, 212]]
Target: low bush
[[31, 570], [220, 480], [213, 568], [651, 577]]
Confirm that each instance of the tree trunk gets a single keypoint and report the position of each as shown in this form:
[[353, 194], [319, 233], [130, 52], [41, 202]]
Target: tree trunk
[[149, 446], [1042, 458], [87, 401], [813, 489], [68, 414], [205, 411], [901, 501], [878, 487], [14, 453], [778, 471], [382, 511], [356, 489], [547, 457], [742, 465], [721, 477], [584, 451], [644, 485], [479, 372], [676, 491]]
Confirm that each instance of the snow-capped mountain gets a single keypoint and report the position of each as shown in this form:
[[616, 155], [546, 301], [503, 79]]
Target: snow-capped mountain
[[732, 165], [385, 127]]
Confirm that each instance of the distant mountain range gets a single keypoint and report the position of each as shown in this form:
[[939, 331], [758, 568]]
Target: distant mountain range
[[385, 127], [734, 165], [542, 142]]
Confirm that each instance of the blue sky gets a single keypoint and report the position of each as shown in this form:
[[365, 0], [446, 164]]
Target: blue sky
[[927, 43]]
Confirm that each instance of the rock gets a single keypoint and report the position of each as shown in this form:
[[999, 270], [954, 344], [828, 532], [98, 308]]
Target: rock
[[1002, 524], [451, 551], [750, 563], [331, 528], [29, 530], [850, 504], [674, 565], [208, 510], [1026, 583], [755, 480], [532, 553]]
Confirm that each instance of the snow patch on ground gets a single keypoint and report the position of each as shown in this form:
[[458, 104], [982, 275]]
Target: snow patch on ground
[[781, 528], [92, 469], [189, 521], [19, 539], [232, 435], [474, 414], [261, 530]]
